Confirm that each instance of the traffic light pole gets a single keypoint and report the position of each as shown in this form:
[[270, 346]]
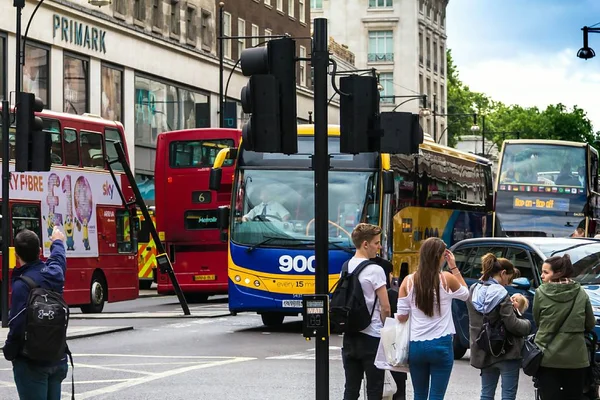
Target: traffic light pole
[[5, 209], [320, 63], [221, 67]]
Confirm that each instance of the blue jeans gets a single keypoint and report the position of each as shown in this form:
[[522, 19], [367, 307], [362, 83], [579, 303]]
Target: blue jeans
[[431, 360], [509, 370], [36, 382]]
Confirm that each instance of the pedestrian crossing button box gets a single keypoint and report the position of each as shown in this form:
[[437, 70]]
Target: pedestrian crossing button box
[[163, 262], [315, 313]]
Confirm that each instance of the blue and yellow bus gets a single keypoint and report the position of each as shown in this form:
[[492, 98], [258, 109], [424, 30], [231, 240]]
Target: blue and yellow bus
[[438, 192]]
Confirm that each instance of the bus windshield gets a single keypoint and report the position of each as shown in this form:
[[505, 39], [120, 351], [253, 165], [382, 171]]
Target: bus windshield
[[290, 204], [543, 164]]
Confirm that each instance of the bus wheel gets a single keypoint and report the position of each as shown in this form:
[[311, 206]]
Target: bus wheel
[[459, 350], [98, 293], [272, 319], [145, 284]]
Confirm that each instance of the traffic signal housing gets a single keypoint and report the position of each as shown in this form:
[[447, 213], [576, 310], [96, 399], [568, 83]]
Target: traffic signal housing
[[402, 133], [270, 97], [33, 146], [359, 114]]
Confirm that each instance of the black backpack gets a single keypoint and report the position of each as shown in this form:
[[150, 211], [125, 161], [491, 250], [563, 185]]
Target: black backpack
[[493, 337], [348, 312]]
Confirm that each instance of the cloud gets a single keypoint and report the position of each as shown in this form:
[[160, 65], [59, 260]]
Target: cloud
[[538, 80]]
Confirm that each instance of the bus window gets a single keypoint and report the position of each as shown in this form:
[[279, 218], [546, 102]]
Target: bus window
[[124, 239], [71, 147], [26, 216], [92, 154], [197, 153], [52, 127], [112, 136], [594, 172]]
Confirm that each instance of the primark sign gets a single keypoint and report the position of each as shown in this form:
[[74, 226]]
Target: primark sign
[[79, 34]]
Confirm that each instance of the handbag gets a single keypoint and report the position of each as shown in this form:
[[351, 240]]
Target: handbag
[[531, 352]]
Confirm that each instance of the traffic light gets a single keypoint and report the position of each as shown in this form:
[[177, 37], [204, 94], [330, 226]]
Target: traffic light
[[32, 144], [402, 133], [270, 97], [359, 112]]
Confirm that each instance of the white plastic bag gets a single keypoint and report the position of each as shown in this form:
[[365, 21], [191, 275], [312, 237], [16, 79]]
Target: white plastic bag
[[389, 386], [402, 343], [389, 335]]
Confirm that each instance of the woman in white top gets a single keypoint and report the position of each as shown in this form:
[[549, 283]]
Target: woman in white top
[[426, 297]]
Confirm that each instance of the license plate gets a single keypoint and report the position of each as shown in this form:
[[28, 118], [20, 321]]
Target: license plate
[[205, 277], [292, 303]]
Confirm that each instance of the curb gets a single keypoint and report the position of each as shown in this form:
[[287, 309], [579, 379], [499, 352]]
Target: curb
[[98, 333], [146, 316]]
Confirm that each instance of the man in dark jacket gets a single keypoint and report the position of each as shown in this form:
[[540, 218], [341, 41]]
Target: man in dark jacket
[[34, 380]]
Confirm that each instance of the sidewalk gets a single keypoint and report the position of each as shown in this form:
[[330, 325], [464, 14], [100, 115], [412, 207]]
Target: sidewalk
[[78, 332]]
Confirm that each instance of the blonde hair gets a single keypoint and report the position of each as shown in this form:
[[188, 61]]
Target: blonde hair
[[522, 301], [364, 233]]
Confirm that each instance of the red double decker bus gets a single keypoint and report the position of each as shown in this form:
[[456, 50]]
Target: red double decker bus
[[186, 210], [79, 195]]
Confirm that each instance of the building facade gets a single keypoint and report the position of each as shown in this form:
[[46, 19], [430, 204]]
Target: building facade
[[151, 64], [405, 40]]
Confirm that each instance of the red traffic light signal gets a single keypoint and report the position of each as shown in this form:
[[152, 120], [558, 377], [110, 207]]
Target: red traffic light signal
[[32, 144]]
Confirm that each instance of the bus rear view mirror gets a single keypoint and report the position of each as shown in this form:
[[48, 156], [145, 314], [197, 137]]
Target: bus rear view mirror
[[223, 217], [388, 182], [214, 182], [136, 224]]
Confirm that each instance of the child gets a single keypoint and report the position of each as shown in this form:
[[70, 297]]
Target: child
[[520, 303]]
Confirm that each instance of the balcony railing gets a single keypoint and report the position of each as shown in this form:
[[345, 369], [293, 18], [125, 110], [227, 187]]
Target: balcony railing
[[380, 57]]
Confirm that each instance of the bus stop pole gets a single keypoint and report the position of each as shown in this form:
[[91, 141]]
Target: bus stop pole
[[5, 209], [320, 62]]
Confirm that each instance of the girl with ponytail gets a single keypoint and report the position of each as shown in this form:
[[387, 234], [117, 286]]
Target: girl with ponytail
[[426, 296], [563, 313], [490, 298]]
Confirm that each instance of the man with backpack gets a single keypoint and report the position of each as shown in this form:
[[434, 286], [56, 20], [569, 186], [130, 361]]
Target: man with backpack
[[36, 341], [369, 306]]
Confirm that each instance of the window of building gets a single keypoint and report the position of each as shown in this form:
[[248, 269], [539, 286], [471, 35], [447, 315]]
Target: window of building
[[76, 84], [255, 32], [442, 60], [435, 56], [241, 32], [71, 146], [26, 216], [157, 21], [121, 7], [139, 10], [124, 229], [421, 48], [429, 11], [316, 4], [36, 72], [268, 32], [301, 11], [380, 3], [279, 5], [112, 136], [291, 6], [302, 66], [386, 80], [190, 24], [443, 17], [428, 49], [227, 34], [428, 92], [268, 2], [206, 34], [2, 67], [112, 93], [175, 18], [421, 6], [421, 84], [162, 107], [381, 46], [92, 154]]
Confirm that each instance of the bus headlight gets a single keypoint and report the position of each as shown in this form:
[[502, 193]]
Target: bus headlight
[[247, 281], [238, 278], [256, 283]]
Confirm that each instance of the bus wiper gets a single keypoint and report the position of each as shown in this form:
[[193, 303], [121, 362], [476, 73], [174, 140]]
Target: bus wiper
[[312, 241], [267, 240], [570, 248], [299, 242]]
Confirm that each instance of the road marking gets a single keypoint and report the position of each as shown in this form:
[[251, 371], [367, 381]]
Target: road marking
[[113, 369], [156, 356], [166, 374], [334, 355]]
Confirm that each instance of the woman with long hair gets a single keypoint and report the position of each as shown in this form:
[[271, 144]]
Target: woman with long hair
[[490, 298], [426, 297], [563, 313]]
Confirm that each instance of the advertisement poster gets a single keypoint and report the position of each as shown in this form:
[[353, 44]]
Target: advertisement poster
[[68, 200]]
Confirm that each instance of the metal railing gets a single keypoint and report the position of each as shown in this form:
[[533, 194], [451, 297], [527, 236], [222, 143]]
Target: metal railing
[[380, 57]]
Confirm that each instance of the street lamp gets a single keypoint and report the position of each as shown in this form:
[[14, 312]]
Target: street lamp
[[586, 52]]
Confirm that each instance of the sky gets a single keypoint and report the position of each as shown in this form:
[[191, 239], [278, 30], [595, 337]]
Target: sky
[[524, 51]]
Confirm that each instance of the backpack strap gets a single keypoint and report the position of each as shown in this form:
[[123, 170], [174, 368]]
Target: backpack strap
[[30, 282], [358, 270], [68, 351]]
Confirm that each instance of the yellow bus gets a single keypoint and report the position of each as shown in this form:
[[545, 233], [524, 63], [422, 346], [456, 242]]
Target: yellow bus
[[437, 192]]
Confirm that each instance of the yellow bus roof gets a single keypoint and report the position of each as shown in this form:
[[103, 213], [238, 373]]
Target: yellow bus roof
[[545, 141]]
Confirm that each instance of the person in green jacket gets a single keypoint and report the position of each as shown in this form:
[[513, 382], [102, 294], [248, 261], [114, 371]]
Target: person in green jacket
[[562, 312]]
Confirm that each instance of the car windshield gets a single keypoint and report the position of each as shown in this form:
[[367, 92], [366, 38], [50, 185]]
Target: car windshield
[[275, 208], [585, 257]]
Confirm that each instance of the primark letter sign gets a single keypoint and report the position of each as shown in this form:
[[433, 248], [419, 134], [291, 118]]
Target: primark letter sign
[[83, 35]]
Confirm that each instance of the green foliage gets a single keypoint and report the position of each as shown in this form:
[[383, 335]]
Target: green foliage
[[509, 122]]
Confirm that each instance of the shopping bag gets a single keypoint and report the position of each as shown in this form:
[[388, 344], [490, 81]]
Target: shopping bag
[[389, 386], [388, 339], [381, 361], [402, 343]]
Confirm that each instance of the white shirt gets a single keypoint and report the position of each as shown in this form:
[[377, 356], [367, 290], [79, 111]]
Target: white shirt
[[272, 208], [441, 324], [371, 278]]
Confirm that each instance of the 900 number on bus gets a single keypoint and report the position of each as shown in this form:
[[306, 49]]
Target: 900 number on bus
[[299, 263]]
